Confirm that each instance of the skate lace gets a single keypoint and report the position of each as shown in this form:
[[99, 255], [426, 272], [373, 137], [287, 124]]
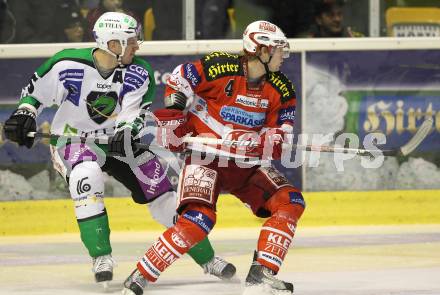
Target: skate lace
[[215, 266], [103, 263]]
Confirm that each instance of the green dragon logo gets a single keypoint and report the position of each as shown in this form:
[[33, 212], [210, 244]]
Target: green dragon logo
[[101, 106]]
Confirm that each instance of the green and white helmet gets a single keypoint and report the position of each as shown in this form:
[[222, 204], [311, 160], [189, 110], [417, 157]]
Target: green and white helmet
[[115, 26]]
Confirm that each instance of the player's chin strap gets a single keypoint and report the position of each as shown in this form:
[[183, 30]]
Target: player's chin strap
[[265, 64], [118, 56]]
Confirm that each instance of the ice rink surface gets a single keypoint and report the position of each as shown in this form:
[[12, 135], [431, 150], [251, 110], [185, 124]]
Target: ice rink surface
[[364, 260]]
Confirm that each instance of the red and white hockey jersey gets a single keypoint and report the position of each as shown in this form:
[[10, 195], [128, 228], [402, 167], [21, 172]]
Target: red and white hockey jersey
[[224, 105]]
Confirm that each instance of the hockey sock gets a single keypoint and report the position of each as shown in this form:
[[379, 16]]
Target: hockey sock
[[277, 232], [95, 235], [163, 210], [192, 226], [202, 252], [86, 186]]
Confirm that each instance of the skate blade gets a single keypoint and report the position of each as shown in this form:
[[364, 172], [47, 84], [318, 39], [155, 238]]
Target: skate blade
[[281, 292], [105, 285], [264, 289], [255, 290], [127, 292], [233, 280]]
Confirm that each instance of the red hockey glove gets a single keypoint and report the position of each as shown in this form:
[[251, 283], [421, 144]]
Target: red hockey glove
[[271, 144], [171, 129], [265, 146], [243, 142]]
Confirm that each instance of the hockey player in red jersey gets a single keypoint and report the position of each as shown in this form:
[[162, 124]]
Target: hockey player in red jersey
[[230, 97]]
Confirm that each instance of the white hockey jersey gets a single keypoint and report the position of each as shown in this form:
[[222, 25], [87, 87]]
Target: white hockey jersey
[[89, 104]]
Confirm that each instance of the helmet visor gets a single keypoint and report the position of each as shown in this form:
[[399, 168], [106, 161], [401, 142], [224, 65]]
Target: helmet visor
[[139, 34], [286, 50], [284, 45], [135, 34]]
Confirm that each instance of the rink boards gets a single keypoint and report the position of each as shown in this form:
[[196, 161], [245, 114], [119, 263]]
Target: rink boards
[[323, 209]]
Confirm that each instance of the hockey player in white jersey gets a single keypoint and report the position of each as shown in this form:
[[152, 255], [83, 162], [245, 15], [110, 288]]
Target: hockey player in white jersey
[[103, 92]]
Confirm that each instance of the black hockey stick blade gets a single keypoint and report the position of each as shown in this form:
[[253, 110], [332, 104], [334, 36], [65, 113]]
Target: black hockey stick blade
[[414, 142]]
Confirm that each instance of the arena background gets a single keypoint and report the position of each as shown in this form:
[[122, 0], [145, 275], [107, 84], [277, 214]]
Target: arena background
[[365, 231]]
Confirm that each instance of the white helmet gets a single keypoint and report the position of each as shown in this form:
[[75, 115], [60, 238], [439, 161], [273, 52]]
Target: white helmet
[[262, 33], [115, 26]]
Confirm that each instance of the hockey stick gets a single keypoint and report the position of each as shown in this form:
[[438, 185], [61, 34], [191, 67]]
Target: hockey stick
[[82, 139], [404, 150]]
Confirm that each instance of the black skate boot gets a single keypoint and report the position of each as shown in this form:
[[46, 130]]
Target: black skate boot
[[135, 284], [103, 269], [259, 274], [220, 268]]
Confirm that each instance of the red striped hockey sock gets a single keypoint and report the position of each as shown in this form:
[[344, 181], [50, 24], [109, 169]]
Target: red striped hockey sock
[[167, 249]]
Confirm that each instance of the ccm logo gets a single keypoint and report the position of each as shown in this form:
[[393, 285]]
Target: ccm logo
[[243, 143]]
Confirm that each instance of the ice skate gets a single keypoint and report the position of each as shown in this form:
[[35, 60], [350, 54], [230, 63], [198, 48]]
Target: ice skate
[[263, 277], [134, 284], [103, 269], [220, 268]]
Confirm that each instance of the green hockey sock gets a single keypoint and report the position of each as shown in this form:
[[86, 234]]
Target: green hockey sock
[[202, 252], [95, 235]]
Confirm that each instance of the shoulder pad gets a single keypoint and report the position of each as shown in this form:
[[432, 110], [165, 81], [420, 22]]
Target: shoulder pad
[[83, 56], [221, 64], [135, 76], [142, 62], [283, 86], [137, 73]]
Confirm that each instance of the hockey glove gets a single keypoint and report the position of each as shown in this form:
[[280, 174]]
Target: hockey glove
[[120, 143], [271, 144], [171, 128], [18, 125]]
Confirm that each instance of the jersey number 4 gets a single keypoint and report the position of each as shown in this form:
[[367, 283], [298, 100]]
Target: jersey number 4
[[229, 89]]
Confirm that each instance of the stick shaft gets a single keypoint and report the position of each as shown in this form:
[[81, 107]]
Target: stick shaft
[[82, 139], [406, 149], [310, 148]]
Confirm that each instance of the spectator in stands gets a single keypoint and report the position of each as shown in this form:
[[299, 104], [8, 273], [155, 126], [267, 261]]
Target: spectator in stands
[[74, 29], [34, 20], [69, 21], [329, 21], [106, 6]]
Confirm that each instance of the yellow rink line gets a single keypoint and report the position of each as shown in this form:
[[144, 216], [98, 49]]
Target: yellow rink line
[[323, 209]]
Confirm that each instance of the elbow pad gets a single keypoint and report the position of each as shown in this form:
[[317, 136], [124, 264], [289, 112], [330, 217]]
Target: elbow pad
[[176, 101]]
